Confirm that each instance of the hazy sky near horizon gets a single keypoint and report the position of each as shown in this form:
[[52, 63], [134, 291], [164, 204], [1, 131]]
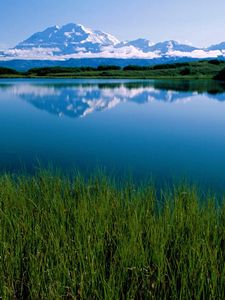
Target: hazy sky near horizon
[[200, 22]]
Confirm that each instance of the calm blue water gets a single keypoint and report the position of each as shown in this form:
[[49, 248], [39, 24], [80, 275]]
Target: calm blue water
[[167, 130]]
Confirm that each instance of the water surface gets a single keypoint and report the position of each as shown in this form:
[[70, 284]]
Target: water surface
[[165, 129]]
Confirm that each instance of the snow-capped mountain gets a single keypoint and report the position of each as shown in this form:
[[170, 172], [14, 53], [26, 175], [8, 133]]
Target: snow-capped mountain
[[61, 43], [169, 46], [220, 47], [141, 44], [68, 39]]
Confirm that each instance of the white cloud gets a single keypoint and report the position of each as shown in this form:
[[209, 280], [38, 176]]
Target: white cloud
[[33, 53], [106, 52], [197, 54], [49, 53]]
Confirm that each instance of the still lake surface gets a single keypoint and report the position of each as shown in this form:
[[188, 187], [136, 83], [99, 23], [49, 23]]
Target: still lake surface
[[169, 130]]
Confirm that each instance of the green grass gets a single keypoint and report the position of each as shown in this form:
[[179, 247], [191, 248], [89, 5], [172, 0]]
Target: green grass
[[204, 69], [66, 238]]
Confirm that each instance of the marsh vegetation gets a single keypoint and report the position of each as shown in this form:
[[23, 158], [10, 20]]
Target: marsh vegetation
[[64, 238]]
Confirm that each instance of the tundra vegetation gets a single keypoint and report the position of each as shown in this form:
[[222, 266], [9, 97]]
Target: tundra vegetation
[[204, 69]]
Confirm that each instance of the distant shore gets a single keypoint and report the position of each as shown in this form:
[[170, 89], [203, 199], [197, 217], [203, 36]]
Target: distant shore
[[205, 69]]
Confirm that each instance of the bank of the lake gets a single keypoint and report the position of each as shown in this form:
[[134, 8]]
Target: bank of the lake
[[64, 238], [203, 69]]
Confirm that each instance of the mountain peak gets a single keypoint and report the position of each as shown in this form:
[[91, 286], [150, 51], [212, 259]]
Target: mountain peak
[[141, 44], [172, 45], [68, 39]]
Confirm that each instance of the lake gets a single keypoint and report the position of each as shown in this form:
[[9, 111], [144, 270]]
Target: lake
[[167, 130]]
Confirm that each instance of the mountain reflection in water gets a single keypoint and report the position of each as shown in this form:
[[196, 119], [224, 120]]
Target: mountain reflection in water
[[78, 99]]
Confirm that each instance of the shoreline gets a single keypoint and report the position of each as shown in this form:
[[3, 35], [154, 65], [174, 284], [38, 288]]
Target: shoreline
[[108, 77], [200, 70]]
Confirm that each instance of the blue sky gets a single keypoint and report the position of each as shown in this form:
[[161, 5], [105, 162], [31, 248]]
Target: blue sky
[[201, 22]]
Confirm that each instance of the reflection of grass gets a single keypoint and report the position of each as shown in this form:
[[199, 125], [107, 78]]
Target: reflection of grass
[[200, 86], [192, 70], [92, 240]]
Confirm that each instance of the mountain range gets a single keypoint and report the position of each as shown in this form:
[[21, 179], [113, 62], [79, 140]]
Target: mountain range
[[74, 41]]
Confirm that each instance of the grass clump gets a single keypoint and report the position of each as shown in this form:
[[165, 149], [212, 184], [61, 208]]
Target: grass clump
[[90, 239]]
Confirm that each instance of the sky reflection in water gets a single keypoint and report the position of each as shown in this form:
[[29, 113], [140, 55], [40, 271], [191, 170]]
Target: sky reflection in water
[[165, 129]]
